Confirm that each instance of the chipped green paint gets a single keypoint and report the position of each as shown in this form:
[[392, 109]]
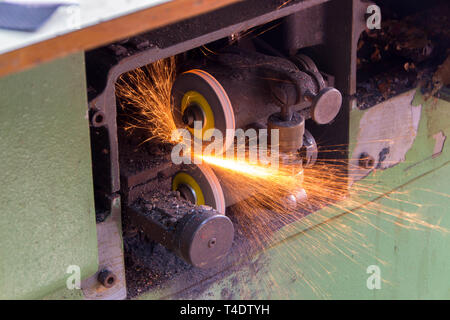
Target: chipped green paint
[[47, 207]]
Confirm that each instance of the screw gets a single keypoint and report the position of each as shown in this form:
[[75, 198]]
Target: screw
[[107, 278], [366, 161]]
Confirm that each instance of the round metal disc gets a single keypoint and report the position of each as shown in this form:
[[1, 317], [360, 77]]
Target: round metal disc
[[205, 184], [326, 105], [205, 238], [203, 84]]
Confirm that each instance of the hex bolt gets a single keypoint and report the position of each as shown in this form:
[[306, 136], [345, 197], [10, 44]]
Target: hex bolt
[[107, 278], [366, 161]]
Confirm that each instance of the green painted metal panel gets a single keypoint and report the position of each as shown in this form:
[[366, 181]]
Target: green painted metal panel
[[65, 294], [47, 207]]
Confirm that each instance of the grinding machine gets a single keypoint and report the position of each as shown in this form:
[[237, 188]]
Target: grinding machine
[[241, 83], [284, 72], [238, 89]]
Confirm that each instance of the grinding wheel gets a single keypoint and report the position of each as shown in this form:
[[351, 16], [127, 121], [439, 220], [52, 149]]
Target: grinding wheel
[[199, 184], [198, 96]]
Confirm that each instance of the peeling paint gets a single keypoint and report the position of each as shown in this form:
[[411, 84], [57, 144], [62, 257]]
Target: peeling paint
[[439, 145], [386, 132]]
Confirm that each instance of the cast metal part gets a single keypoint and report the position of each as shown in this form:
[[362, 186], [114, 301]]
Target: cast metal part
[[294, 85], [201, 238], [289, 87], [222, 102], [307, 65], [290, 132], [233, 86], [327, 102]]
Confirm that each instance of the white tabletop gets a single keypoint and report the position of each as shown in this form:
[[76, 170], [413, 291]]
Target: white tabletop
[[69, 18]]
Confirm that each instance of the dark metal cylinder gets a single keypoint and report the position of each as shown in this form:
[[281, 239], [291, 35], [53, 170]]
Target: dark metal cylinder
[[290, 133], [202, 238], [249, 95], [107, 278]]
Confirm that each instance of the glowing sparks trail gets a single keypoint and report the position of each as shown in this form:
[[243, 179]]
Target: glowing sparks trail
[[148, 91], [239, 166]]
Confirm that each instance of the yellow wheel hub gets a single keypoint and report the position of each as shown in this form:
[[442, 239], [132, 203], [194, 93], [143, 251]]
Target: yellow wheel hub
[[193, 97], [185, 178]]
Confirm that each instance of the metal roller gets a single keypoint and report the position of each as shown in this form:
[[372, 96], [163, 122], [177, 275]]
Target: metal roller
[[198, 96], [200, 236], [196, 230], [199, 185], [203, 239]]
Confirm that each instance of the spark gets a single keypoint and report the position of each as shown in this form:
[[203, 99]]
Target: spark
[[284, 4], [145, 94], [239, 166]]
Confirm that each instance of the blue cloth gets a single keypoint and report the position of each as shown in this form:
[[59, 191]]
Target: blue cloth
[[25, 17]]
